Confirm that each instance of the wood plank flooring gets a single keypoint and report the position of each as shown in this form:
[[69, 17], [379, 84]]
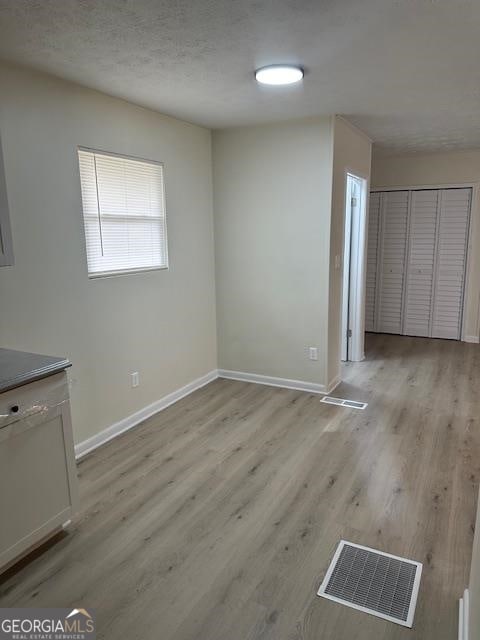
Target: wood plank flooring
[[217, 518]]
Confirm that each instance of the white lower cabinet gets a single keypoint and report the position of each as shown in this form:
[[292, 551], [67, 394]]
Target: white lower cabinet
[[38, 483], [416, 261]]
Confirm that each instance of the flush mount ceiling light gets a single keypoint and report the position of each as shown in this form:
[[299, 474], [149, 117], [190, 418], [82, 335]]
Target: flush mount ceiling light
[[278, 74]]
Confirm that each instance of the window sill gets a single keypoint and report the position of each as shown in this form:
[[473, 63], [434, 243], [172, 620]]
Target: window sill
[[124, 272]]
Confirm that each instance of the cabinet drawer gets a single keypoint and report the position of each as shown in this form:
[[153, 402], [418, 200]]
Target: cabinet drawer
[[34, 398]]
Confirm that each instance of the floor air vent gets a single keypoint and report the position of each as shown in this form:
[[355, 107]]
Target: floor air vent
[[353, 404], [374, 582]]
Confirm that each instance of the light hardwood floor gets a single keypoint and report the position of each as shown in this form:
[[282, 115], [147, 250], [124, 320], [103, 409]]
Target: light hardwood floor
[[217, 518]]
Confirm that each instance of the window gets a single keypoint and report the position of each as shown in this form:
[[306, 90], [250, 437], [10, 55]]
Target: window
[[124, 213]]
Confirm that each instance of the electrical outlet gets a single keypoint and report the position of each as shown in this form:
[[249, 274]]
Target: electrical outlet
[[135, 376], [313, 353], [338, 262]]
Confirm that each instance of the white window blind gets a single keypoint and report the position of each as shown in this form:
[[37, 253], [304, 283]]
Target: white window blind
[[124, 213]]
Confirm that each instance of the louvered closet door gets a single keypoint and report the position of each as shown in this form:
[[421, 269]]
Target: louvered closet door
[[372, 252], [393, 239], [451, 262], [421, 263]]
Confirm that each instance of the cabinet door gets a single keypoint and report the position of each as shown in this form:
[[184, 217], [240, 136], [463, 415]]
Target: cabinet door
[[372, 263], [451, 263], [393, 240], [38, 484], [6, 249], [421, 262]]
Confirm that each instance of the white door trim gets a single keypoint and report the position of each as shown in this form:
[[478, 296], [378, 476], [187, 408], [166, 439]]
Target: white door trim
[[345, 340], [358, 271], [421, 187], [463, 615]]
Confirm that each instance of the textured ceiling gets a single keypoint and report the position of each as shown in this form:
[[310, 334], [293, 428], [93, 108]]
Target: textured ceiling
[[405, 71]]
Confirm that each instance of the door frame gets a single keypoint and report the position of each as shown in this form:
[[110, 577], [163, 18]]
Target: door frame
[[345, 340], [474, 206], [358, 272]]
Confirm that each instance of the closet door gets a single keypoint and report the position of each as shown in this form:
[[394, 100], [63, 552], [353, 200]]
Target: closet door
[[451, 261], [393, 240], [420, 263], [372, 254]]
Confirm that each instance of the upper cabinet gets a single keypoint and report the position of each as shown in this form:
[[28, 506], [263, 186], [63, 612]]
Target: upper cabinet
[[6, 248]]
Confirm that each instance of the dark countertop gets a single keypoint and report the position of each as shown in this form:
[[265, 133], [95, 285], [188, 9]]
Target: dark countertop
[[20, 367]]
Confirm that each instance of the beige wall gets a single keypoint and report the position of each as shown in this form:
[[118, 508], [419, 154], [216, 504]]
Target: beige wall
[[161, 323], [351, 153], [439, 169], [272, 203]]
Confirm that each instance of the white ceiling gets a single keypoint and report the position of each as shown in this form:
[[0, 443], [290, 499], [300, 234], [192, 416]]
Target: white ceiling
[[405, 71]]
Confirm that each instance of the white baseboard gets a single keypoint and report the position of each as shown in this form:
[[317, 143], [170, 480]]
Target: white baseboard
[[285, 383], [474, 339], [82, 448], [463, 611], [333, 384], [114, 430]]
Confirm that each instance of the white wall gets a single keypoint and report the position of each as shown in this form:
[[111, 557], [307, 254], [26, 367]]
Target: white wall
[[455, 167], [272, 203], [351, 153], [160, 323], [276, 291]]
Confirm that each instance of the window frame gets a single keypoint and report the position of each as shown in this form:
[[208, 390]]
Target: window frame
[[123, 272]]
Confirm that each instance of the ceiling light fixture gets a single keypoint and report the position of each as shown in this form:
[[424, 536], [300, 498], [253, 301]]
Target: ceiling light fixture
[[278, 74]]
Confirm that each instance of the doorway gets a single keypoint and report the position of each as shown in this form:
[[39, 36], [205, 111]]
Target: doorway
[[353, 289], [417, 260]]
